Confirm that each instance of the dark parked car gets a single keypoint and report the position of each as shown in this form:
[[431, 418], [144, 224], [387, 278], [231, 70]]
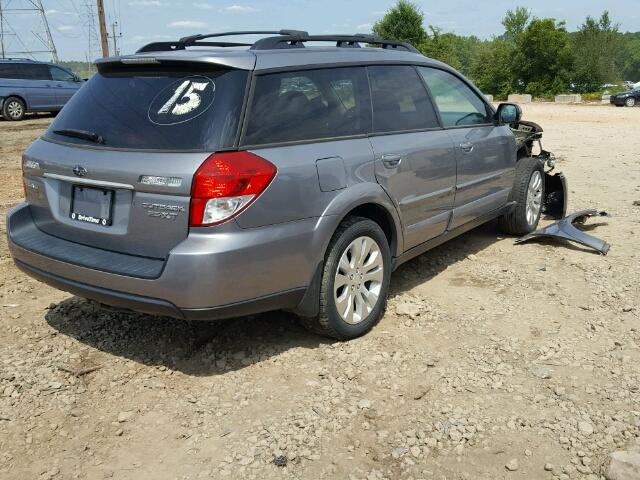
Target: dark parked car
[[202, 180], [626, 99], [30, 86]]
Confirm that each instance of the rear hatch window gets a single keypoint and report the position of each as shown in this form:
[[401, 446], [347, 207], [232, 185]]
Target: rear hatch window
[[161, 107]]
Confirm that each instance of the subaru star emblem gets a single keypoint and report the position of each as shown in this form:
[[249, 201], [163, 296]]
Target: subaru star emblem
[[79, 170]]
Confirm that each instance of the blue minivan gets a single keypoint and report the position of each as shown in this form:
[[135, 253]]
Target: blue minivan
[[31, 86]]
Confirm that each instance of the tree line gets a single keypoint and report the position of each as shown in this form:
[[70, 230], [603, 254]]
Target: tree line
[[533, 55]]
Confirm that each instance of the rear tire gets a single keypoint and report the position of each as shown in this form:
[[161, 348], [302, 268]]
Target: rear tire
[[13, 109], [355, 281], [528, 193]]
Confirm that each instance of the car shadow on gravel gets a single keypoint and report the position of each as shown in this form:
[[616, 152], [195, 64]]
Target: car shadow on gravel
[[428, 265], [29, 116], [198, 348], [213, 348]]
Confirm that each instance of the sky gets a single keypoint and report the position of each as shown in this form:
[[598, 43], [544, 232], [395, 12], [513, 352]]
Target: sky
[[144, 21]]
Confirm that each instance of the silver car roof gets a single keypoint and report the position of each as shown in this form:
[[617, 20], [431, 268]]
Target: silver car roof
[[245, 59]]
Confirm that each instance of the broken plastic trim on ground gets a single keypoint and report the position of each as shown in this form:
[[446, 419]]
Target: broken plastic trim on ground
[[565, 229]]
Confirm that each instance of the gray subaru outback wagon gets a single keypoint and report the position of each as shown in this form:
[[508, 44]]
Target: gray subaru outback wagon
[[205, 179]]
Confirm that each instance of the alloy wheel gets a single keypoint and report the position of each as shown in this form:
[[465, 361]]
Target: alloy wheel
[[358, 280], [534, 197], [14, 109]]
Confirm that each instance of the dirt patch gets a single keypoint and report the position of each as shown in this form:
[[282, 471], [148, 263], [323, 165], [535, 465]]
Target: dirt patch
[[492, 360]]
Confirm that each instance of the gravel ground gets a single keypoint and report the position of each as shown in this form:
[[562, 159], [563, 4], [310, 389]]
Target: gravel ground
[[493, 361]]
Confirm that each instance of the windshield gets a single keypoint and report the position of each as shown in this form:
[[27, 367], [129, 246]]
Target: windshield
[[158, 108]]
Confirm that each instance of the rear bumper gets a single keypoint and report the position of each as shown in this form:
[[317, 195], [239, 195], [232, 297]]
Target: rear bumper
[[208, 276], [156, 306]]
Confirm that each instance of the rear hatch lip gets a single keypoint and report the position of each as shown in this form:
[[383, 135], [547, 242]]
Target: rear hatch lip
[[135, 150]]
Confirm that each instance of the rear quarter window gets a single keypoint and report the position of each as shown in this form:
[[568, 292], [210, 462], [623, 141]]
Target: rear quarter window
[[309, 105], [193, 108]]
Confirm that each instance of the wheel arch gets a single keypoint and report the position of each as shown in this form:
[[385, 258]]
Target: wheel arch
[[368, 200], [20, 97]]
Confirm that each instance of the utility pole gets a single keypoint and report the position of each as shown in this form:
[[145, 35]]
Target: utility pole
[[115, 37], [104, 36]]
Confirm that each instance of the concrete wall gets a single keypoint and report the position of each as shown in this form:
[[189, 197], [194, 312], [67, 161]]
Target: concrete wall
[[489, 98], [568, 98], [517, 98]]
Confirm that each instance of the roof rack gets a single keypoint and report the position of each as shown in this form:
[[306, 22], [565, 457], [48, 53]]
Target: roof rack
[[283, 39], [196, 40], [345, 41], [20, 59]]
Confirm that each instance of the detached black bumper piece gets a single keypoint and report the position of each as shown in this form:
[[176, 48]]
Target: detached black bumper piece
[[565, 229]]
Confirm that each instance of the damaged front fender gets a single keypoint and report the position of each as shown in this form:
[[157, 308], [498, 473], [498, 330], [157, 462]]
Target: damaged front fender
[[555, 197]]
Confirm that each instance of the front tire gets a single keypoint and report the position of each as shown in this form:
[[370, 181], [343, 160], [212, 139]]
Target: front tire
[[355, 281], [13, 109], [630, 102], [528, 193]]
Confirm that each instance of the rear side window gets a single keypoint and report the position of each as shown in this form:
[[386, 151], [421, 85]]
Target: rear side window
[[157, 108], [9, 70], [35, 71], [400, 101], [458, 103], [309, 105]]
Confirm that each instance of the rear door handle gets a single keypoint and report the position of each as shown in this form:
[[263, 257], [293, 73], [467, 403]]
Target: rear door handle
[[391, 160], [466, 147]]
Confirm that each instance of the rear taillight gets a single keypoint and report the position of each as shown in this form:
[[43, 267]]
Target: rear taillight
[[225, 184]]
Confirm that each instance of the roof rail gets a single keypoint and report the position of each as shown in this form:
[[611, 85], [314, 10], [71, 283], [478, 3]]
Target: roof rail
[[21, 59], [345, 41], [283, 39]]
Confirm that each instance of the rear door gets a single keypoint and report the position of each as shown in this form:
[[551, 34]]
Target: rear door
[[313, 125], [486, 153], [39, 87], [130, 192], [415, 158], [64, 83]]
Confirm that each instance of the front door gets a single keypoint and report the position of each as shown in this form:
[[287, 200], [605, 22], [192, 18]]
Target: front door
[[485, 152], [64, 83], [415, 158]]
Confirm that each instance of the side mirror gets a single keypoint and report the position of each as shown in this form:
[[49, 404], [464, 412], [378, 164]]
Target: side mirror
[[508, 113]]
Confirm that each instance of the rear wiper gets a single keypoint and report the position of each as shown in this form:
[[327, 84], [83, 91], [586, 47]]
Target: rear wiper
[[83, 134]]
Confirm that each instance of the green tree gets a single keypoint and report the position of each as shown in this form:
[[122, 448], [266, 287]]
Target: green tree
[[543, 59], [515, 21], [402, 22], [452, 49], [491, 67], [596, 47], [629, 59]]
